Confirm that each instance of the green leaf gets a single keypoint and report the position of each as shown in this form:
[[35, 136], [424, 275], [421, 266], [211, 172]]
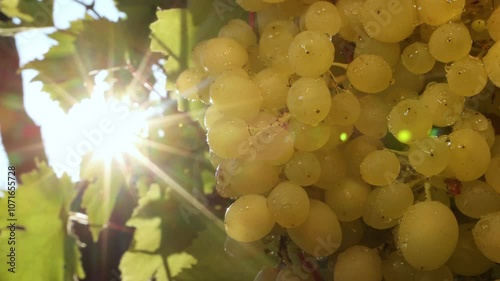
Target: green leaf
[[100, 197], [42, 205], [31, 12]]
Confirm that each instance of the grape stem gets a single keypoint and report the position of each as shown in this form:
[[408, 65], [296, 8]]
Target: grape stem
[[428, 196], [315, 273], [341, 65]]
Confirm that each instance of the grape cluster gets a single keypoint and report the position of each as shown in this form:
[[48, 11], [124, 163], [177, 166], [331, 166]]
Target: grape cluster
[[329, 121]]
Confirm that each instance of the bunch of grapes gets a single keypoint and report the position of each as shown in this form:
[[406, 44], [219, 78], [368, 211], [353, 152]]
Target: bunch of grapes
[[329, 121]]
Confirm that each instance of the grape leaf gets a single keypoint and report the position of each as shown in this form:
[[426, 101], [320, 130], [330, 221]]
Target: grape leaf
[[99, 199], [42, 206], [30, 12]]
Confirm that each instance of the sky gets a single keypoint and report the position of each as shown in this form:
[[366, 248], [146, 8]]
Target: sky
[[65, 133]]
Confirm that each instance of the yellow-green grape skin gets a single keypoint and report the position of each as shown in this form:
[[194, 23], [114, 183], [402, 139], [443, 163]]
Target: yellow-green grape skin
[[252, 5], [344, 110], [492, 64], [476, 121], [441, 274], [311, 53], [293, 8], [222, 54], [226, 135], [273, 86], [394, 199], [191, 83], [467, 260], [494, 24], [380, 168], [236, 96], [396, 268], [469, 155], [369, 73], [324, 17], [466, 76], [356, 150], [255, 63], [429, 156], [358, 263], [438, 12], [350, 14], [390, 52], [477, 199], [293, 272], [445, 105], [389, 20], [288, 25], [212, 114], [347, 198], [394, 96], [405, 79], [449, 42], [372, 215], [289, 204], [492, 175], [320, 235], [273, 1], [487, 236], [304, 168], [308, 137], [266, 274], [333, 168], [273, 47], [240, 31], [409, 120], [236, 177], [248, 219], [427, 235], [261, 121], [352, 233], [338, 135], [309, 100], [495, 148], [372, 120], [273, 144], [417, 58]]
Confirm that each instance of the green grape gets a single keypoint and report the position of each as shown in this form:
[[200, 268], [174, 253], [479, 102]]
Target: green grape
[[467, 260], [273, 86], [441, 274], [193, 83], [288, 25], [356, 150], [236, 177], [267, 274], [293, 8], [438, 12], [273, 47], [333, 168], [394, 199], [395, 95], [495, 148], [226, 137], [390, 52], [492, 175], [289, 204], [307, 137], [494, 24], [417, 58], [338, 135], [248, 219], [222, 54], [492, 64], [261, 121], [212, 114], [273, 1], [427, 235], [477, 199], [344, 110], [311, 53], [358, 263], [410, 120], [347, 198], [369, 73], [252, 5], [429, 156], [405, 79], [324, 17], [309, 100], [240, 31], [352, 233], [214, 159], [372, 215], [320, 235], [304, 168], [350, 14], [372, 120], [396, 268], [487, 236], [380, 167], [294, 272], [255, 63], [469, 155], [450, 41], [273, 144], [466, 76], [236, 96], [389, 20], [476, 121], [445, 105]]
